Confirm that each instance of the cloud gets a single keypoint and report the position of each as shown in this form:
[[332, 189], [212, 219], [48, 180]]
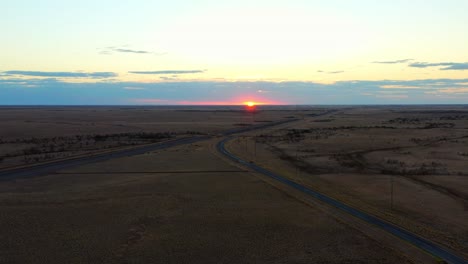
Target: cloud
[[94, 75], [262, 91], [50, 91], [392, 96], [133, 88], [132, 51], [165, 78], [105, 52], [189, 102], [112, 50], [458, 90], [330, 72], [446, 65], [167, 72], [426, 64], [457, 66], [393, 62], [399, 86]]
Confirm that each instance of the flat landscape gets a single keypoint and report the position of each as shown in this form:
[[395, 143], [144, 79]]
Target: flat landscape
[[190, 204], [36, 134], [405, 164], [234, 132]]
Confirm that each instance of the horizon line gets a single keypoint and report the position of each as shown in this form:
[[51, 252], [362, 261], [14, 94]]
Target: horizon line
[[215, 105]]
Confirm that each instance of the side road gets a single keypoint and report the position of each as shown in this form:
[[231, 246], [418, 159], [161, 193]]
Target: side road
[[422, 243]]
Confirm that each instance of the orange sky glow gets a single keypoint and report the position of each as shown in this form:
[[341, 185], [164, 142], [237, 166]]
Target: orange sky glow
[[250, 101]]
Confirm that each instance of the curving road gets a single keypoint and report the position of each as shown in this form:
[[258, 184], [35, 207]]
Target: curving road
[[414, 239]]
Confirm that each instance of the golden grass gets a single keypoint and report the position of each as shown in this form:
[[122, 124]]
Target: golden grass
[[98, 213], [354, 155]]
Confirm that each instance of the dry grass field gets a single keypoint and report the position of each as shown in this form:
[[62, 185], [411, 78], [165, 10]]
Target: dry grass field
[[187, 204], [364, 156], [30, 135], [180, 205]]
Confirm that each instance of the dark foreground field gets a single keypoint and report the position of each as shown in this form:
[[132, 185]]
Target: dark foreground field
[[187, 204]]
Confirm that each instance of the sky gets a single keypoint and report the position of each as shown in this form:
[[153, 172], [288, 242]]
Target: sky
[[229, 52]]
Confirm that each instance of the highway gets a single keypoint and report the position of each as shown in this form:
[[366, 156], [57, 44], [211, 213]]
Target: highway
[[424, 244], [48, 168], [54, 166]]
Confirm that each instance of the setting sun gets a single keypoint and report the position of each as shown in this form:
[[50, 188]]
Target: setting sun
[[250, 104]]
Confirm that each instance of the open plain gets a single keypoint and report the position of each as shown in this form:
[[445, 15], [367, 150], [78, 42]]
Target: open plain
[[189, 204], [404, 164]]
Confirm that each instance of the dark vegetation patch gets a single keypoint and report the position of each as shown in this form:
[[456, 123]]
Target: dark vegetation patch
[[406, 121], [434, 112], [242, 124], [398, 167], [455, 117], [324, 120], [438, 125], [30, 150]]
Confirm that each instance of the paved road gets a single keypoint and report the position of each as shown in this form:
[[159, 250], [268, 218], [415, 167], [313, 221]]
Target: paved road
[[416, 240], [48, 168]]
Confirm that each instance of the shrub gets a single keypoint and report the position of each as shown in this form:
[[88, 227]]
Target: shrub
[[32, 151]]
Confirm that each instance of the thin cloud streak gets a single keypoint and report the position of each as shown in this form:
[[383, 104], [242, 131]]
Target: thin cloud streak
[[459, 90], [330, 72], [112, 50], [393, 62], [167, 72], [133, 88], [63, 74], [446, 65], [132, 51], [392, 96], [397, 86]]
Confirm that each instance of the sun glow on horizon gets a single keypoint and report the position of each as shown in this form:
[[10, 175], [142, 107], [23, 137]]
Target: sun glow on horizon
[[250, 104]]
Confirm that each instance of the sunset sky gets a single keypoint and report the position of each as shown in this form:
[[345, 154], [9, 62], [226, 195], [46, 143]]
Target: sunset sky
[[228, 52]]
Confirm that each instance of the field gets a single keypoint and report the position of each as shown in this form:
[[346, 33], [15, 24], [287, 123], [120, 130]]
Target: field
[[30, 135], [406, 165], [189, 204]]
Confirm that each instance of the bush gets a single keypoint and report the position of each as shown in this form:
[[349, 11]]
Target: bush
[[32, 151]]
